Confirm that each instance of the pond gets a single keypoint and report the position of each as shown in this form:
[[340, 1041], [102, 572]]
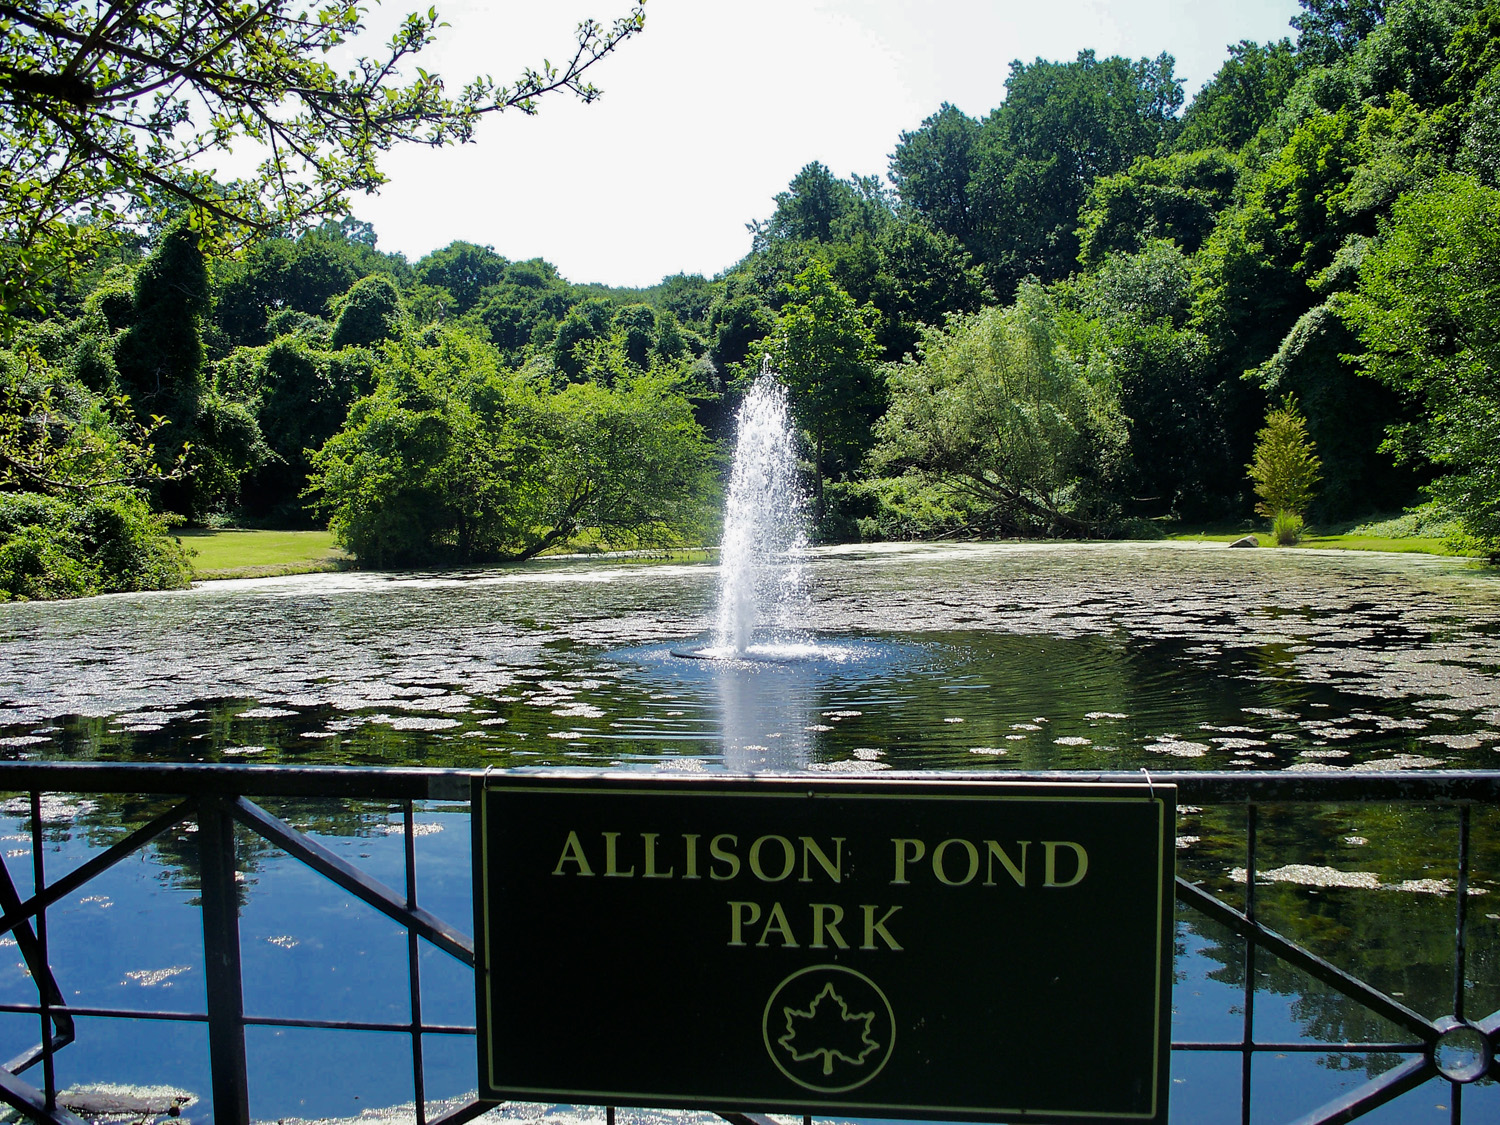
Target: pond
[[971, 657]]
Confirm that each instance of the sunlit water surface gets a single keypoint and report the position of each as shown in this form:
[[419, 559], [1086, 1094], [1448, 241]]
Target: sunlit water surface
[[952, 657]]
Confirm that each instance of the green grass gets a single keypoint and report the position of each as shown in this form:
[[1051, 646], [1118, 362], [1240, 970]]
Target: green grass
[[1349, 541], [261, 554]]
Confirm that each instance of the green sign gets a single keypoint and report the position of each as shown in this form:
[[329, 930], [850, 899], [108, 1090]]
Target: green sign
[[926, 949]]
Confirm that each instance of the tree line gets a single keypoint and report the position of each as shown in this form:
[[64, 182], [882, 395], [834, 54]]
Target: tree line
[[1069, 317]]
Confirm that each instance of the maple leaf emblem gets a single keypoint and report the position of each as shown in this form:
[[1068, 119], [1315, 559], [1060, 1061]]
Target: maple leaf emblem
[[830, 1030]]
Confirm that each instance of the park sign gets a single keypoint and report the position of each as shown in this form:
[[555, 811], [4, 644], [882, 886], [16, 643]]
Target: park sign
[[943, 948]]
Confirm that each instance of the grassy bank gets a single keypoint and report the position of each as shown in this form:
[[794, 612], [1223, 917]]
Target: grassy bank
[[261, 554], [1349, 541], [1423, 530]]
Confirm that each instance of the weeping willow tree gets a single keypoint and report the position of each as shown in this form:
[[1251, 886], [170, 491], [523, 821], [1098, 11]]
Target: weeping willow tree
[[997, 404]]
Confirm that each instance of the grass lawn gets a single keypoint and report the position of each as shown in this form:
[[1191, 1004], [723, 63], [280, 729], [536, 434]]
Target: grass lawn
[[1420, 544], [261, 554]]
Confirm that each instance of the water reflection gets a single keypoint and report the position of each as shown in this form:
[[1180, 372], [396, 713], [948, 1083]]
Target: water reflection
[[973, 657], [765, 712]]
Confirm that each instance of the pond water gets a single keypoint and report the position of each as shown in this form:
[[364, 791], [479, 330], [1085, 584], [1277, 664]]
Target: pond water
[[986, 658]]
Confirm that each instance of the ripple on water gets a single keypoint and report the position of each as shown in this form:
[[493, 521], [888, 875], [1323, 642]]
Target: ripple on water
[[1273, 657]]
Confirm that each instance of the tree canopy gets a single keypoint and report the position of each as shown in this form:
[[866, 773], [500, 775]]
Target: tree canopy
[[109, 114]]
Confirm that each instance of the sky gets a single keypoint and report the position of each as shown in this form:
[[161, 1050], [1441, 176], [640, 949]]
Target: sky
[[716, 105]]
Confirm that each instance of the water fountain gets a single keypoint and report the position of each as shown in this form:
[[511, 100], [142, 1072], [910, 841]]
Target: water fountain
[[761, 588]]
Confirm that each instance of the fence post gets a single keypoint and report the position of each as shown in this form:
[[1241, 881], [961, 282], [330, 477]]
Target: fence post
[[221, 955]]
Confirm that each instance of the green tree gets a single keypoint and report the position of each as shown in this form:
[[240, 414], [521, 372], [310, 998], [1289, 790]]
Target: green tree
[[1242, 98], [370, 312], [1427, 313], [453, 460], [1285, 467], [1330, 29], [464, 270], [998, 404], [1181, 458], [1061, 127], [824, 347], [278, 275], [1178, 196], [924, 275], [299, 392], [160, 356], [932, 167], [818, 207], [109, 112], [74, 465]]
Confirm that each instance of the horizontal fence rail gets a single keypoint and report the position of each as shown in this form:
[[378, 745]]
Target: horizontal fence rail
[[1459, 1047]]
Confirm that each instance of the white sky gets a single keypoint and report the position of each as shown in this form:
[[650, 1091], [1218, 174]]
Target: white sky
[[710, 111]]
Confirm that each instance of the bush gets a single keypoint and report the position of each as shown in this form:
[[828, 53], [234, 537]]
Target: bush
[[109, 542], [1287, 529]]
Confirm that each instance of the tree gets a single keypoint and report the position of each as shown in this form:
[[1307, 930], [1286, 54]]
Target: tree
[[824, 347], [74, 465], [1427, 313], [932, 167], [453, 460], [108, 113], [464, 270], [924, 275], [1061, 127], [1178, 196], [996, 404], [1330, 29], [1285, 467], [818, 207], [279, 274], [1243, 97], [371, 312], [1181, 460], [300, 393]]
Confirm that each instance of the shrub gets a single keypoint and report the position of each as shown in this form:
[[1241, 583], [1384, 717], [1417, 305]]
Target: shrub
[[109, 542], [1287, 529]]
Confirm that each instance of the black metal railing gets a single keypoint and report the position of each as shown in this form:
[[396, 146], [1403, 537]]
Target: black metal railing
[[1456, 1047]]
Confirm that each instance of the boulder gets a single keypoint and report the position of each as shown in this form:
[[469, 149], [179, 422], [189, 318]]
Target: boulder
[[1247, 541]]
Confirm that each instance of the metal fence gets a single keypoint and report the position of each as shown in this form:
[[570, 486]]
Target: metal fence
[[1458, 1048]]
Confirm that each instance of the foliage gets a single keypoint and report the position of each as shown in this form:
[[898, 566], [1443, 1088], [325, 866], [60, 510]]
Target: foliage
[[932, 167], [914, 505], [1428, 316], [109, 114], [824, 348], [1177, 197], [1242, 98], [300, 393], [1347, 416], [1329, 29], [1287, 528], [1285, 467], [999, 405], [280, 275], [1061, 126], [817, 207], [370, 312], [452, 460], [59, 438], [106, 541]]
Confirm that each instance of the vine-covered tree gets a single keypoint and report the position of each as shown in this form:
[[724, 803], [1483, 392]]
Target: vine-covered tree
[[1428, 315]]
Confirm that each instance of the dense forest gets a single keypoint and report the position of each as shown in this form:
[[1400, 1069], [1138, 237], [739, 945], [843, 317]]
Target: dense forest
[[1069, 318]]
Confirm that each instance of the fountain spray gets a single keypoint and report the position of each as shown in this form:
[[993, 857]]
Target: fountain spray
[[765, 520]]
